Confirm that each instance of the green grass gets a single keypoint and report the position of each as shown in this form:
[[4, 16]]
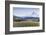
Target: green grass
[[25, 24]]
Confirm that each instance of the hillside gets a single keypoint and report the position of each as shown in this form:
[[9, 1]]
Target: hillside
[[16, 18]]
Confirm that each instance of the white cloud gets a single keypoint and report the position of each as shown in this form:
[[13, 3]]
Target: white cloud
[[22, 12]]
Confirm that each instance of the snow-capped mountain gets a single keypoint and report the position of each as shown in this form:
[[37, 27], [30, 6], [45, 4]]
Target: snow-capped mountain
[[34, 14]]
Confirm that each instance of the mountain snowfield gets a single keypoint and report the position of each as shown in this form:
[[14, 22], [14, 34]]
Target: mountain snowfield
[[26, 12]]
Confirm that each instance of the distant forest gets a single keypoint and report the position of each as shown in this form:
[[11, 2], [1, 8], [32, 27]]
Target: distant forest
[[16, 18]]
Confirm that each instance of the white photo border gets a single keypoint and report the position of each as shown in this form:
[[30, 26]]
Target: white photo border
[[25, 28]]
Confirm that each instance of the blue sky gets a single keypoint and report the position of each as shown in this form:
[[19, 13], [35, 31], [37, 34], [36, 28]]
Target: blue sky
[[23, 12]]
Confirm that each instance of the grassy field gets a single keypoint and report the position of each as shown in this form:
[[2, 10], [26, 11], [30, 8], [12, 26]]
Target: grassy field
[[25, 24]]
